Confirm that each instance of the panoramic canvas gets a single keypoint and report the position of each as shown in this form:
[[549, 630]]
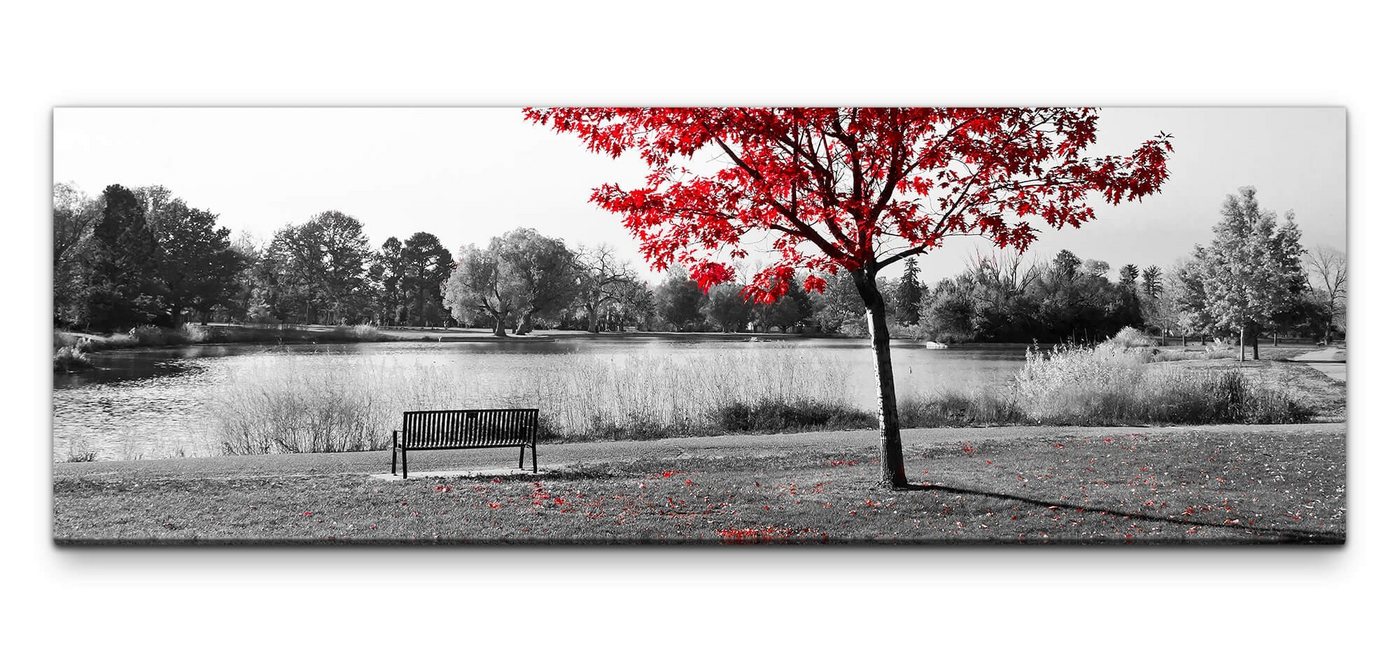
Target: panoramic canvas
[[699, 325]]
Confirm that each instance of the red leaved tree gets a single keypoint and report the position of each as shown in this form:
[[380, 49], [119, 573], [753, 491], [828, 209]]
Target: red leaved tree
[[821, 190]]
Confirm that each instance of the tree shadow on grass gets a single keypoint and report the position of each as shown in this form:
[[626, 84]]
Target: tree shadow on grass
[[1287, 534]]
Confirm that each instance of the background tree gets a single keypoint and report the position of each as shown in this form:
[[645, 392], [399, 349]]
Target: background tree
[[792, 309], [636, 305], [1186, 290], [75, 214], [603, 279], [838, 309], [1067, 264], [1327, 279], [1252, 271], [249, 251], [121, 288], [328, 259], [909, 294], [476, 287], [1128, 276], [680, 302], [519, 275], [851, 189], [197, 267], [1097, 268], [1152, 282], [727, 309], [949, 311], [1127, 302], [386, 272], [424, 266], [538, 272], [1153, 313]]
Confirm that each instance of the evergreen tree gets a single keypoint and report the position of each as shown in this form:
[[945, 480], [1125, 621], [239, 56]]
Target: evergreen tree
[[122, 287], [909, 294], [1152, 282]]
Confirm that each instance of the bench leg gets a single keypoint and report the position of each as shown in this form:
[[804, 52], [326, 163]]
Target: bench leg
[[393, 460], [522, 457], [534, 458], [405, 464]]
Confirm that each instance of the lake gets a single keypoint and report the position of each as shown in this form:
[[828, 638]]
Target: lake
[[170, 402]]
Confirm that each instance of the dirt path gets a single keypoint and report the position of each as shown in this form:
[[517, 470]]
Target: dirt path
[[556, 455], [1331, 362]]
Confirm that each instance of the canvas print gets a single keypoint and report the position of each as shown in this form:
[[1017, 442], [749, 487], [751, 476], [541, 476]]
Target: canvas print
[[742, 325]]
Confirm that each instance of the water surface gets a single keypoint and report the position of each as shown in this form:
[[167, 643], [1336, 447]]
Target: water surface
[[154, 403]]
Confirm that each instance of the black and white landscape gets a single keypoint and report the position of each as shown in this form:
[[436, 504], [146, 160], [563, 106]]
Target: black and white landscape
[[1013, 325]]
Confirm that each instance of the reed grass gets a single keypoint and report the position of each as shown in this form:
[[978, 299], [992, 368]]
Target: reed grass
[[323, 402], [342, 403]]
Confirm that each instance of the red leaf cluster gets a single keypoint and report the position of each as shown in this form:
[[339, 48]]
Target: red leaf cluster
[[821, 189]]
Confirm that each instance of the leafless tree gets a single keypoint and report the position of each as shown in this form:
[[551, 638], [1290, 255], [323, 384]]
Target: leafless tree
[[602, 280], [1327, 277]]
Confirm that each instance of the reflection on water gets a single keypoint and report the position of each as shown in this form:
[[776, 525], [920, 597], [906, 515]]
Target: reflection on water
[[152, 403]]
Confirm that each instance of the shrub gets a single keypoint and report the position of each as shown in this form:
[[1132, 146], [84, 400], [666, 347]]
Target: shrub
[[61, 339], [1110, 385], [80, 457], [901, 331], [148, 335], [1130, 337], [772, 414], [70, 358], [194, 333], [984, 407]]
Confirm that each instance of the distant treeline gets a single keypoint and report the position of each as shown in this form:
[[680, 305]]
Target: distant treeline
[[1253, 278], [136, 257]]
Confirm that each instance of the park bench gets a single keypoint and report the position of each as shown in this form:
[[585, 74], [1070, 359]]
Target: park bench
[[465, 429]]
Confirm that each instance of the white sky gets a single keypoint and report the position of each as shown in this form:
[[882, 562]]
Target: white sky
[[467, 174]]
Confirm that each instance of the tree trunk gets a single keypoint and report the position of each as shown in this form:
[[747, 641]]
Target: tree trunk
[[891, 448], [1242, 342], [592, 319], [525, 325], [1254, 342], [500, 330]]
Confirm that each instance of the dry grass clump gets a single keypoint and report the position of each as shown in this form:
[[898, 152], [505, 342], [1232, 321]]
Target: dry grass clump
[[1110, 385]]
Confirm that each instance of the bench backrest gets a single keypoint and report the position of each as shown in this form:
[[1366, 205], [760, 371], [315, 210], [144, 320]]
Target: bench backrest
[[465, 428]]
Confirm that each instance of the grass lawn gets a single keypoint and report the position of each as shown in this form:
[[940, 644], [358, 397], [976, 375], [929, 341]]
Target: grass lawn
[[1129, 487]]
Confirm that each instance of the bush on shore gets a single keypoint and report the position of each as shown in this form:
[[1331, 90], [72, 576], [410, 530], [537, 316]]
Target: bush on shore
[[69, 359]]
